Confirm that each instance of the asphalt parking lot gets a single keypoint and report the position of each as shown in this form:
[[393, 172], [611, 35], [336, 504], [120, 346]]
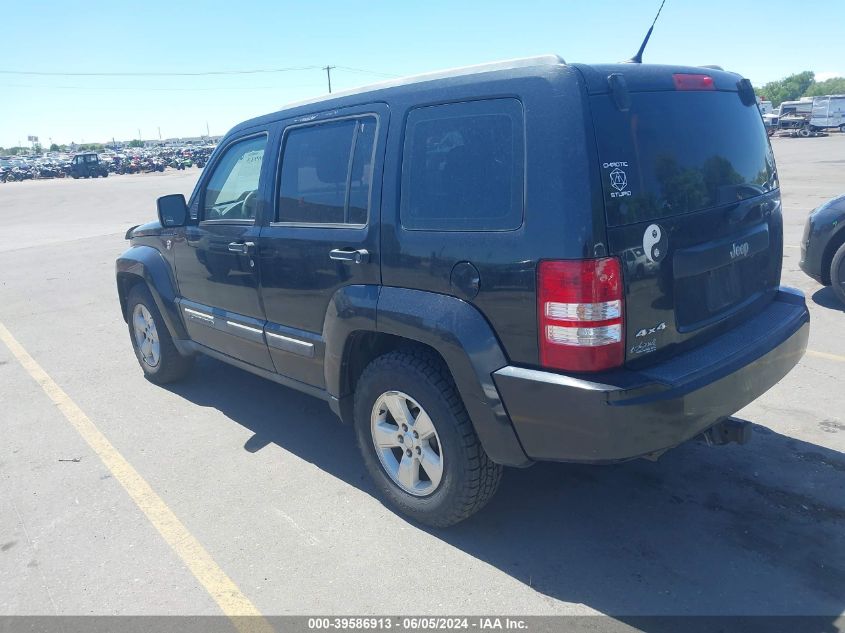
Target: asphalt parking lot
[[272, 487]]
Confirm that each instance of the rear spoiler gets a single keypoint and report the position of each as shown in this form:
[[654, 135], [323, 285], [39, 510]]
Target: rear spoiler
[[652, 77]]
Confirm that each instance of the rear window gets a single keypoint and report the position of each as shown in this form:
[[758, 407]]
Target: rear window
[[679, 152]]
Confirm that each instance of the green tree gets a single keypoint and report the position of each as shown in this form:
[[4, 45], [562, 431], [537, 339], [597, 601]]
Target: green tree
[[832, 86], [136, 143], [787, 89], [54, 148]]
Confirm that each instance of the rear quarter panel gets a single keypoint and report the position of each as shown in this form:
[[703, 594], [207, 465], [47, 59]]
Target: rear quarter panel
[[560, 208]]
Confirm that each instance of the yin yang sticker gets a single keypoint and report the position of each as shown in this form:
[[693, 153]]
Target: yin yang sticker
[[655, 243]]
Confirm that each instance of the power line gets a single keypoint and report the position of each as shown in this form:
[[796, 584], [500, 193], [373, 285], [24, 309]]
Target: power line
[[144, 89], [366, 72], [158, 74], [206, 73]]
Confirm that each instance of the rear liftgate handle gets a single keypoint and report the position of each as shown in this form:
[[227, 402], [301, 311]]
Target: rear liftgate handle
[[360, 256]]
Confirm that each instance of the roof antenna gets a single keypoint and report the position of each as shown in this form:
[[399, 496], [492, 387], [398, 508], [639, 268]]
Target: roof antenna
[[638, 58]]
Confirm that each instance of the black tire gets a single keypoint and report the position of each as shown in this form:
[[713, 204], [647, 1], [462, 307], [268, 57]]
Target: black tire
[[172, 366], [470, 478], [837, 274]]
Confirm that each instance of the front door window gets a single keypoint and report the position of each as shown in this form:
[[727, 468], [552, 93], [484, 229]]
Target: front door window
[[232, 190]]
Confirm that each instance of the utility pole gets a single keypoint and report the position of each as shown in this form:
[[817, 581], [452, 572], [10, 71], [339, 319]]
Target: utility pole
[[207, 132], [159, 134], [328, 70]]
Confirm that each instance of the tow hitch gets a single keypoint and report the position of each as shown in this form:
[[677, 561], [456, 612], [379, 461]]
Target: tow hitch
[[727, 431]]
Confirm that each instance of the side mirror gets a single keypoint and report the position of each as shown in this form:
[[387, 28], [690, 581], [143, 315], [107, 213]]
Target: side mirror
[[172, 210]]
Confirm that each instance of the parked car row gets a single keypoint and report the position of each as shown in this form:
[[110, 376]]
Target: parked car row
[[100, 165]]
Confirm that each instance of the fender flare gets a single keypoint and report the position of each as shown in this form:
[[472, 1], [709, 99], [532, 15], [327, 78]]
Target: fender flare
[[148, 264], [351, 309], [454, 328]]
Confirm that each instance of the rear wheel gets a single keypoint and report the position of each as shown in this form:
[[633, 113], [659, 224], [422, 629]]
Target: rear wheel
[[805, 131], [418, 442], [151, 340], [837, 274]]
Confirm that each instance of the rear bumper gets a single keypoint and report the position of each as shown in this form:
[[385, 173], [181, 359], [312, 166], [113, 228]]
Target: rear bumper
[[629, 414]]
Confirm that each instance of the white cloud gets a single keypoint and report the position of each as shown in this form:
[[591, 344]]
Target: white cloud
[[824, 76]]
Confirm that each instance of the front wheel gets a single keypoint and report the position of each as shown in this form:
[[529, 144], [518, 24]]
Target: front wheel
[[418, 442], [151, 340], [837, 274]]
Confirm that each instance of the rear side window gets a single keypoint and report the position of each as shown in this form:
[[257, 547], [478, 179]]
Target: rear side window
[[463, 167], [326, 174]]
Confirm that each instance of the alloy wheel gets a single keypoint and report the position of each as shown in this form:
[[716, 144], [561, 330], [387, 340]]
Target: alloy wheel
[[407, 443], [146, 335]]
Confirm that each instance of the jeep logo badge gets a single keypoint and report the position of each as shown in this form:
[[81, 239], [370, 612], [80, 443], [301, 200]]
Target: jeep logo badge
[[739, 250]]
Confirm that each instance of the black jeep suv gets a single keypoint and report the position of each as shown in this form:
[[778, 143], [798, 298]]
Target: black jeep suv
[[528, 260]]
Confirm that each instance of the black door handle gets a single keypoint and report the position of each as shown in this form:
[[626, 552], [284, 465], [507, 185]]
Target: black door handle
[[360, 256]]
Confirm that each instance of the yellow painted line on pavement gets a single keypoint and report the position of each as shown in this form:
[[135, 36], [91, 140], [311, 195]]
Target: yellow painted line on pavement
[[828, 356], [222, 589]]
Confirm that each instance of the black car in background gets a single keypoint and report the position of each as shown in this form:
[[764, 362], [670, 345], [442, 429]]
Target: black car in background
[[88, 165], [823, 245]]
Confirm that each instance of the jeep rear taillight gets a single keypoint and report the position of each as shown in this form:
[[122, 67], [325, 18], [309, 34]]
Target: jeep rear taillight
[[580, 314]]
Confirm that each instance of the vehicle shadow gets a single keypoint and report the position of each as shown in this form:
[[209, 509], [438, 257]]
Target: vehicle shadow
[[826, 298], [755, 529]]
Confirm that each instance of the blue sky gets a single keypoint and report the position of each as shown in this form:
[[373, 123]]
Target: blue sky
[[762, 40]]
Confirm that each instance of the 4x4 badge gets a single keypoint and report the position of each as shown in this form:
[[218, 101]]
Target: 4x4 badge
[[652, 330]]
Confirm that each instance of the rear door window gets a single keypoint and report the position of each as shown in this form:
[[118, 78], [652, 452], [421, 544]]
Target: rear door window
[[679, 152], [326, 173], [463, 167]]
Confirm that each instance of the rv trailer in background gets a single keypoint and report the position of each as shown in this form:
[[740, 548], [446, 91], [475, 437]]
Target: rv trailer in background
[[828, 112]]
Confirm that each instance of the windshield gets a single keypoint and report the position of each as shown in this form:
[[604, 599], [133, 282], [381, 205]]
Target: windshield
[[679, 152]]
